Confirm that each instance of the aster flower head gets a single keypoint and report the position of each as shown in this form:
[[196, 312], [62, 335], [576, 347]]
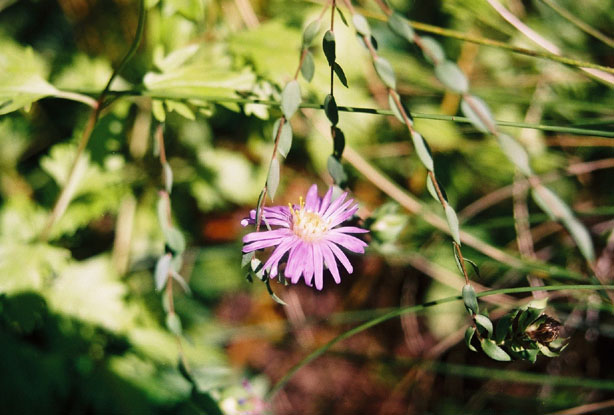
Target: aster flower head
[[310, 235]]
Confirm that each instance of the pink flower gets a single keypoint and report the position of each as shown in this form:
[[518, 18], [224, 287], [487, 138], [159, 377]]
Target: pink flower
[[310, 234]]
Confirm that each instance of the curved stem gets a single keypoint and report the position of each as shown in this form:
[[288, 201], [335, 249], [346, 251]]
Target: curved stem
[[414, 309]]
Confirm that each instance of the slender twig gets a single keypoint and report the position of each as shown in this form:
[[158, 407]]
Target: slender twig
[[67, 191]]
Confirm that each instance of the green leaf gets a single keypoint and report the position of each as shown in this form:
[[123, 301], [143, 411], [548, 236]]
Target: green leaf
[[423, 151], [173, 323], [452, 223], [504, 326], [484, 322], [328, 45], [401, 27], [457, 260], [339, 71], [515, 152], [174, 239], [330, 109], [272, 181], [395, 108], [285, 139], [162, 213], [385, 72], [469, 333], [290, 98], [308, 67], [470, 299], [22, 80], [343, 19], [168, 177], [259, 208], [545, 350], [432, 50], [274, 296], [431, 188], [163, 267], [180, 108], [493, 351], [581, 237], [361, 25], [158, 111], [452, 77], [247, 258], [310, 33], [336, 171], [338, 142], [181, 281], [175, 59], [482, 121]]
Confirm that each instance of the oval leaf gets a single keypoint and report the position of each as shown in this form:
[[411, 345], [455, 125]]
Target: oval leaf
[[328, 45], [494, 352], [163, 267], [401, 27], [515, 153], [285, 139], [336, 171], [484, 322], [168, 177], [452, 223], [330, 109], [452, 77], [310, 33], [340, 74], [361, 25], [385, 72], [272, 181], [432, 50], [338, 142], [478, 113], [173, 323], [470, 299], [174, 239], [290, 98], [423, 151], [308, 67]]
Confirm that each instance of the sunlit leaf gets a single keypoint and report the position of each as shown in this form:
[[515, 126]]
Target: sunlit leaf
[[385, 72], [161, 273], [285, 139], [452, 223], [361, 25], [422, 150], [290, 98], [452, 77], [433, 52], [308, 67], [484, 322], [310, 33], [272, 181], [516, 153], [478, 113], [401, 27]]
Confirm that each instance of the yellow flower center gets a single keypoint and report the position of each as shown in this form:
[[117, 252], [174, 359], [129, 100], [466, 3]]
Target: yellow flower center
[[307, 225]]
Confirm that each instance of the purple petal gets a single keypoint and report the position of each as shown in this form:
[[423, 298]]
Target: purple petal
[[318, 266], [259, 236], [342, 216], [334, 205], [312, 201], [329, 259], [295, 261], [348, 242], [326, 201], [254, 246], [278, 253], [340, 256], [351, 229], [309, 265]]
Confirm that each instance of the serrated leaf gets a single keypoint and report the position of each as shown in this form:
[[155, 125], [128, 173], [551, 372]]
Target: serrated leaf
[[174, 239], [158, 111], [483, 121], [361, 24], [285, 139], [308, 67], [470, 299], [401, 27], [338, 142], [272, 181], [452, 223], [173, 323], [290, 98], [163, 267], [328, 45], [385, 72], [340, 74], [330, 109], [484, 322], [336, 171], [452, 77], [422, 150], [581, 237], [168, 177], [468, 337], [432, 50], [515, 152], [310, 33], [493, 351]]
